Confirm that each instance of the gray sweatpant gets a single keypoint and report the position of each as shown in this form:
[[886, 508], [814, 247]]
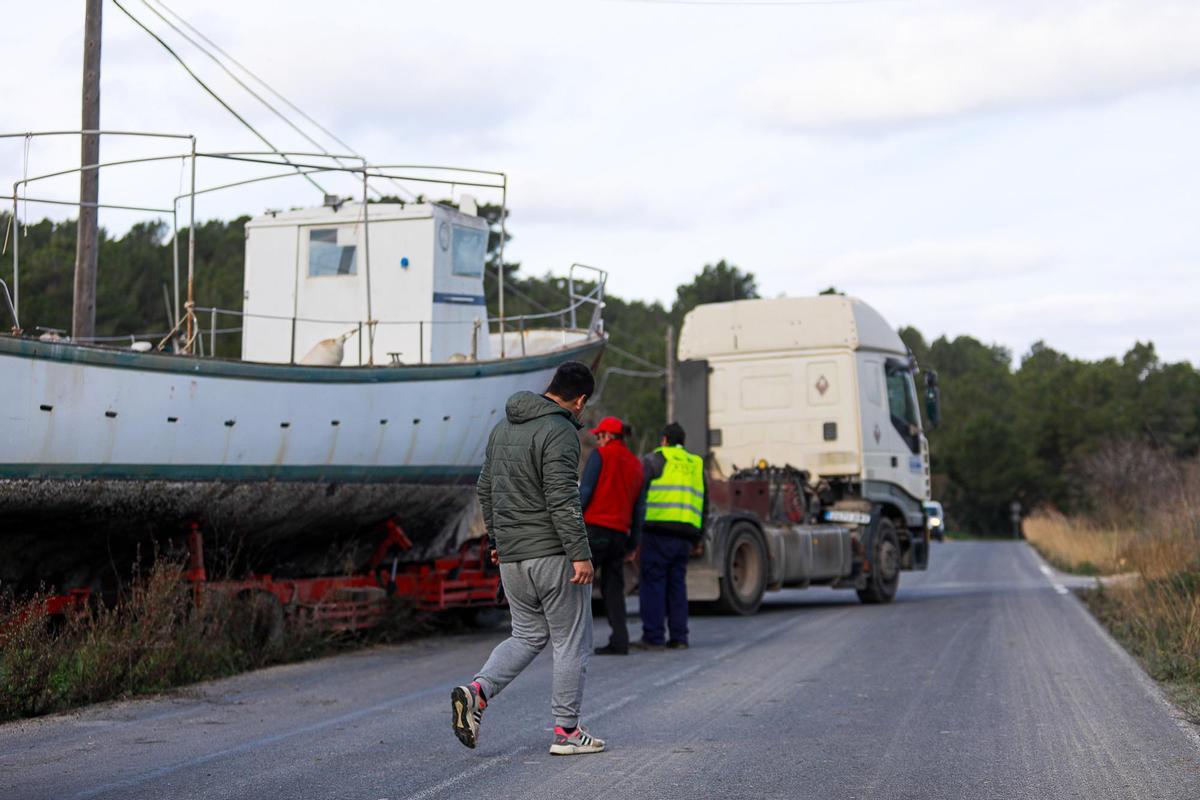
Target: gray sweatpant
[[545, 606]]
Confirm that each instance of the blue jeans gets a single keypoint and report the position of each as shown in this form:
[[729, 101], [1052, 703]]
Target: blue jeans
[[663, 586]]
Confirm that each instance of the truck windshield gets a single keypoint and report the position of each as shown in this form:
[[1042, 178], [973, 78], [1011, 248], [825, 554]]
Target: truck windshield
[[902, 403]]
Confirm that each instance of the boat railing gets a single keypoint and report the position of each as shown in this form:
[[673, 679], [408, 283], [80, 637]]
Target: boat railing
[[582, 295], [519, 326], [585, 283], [11, 309], [594, 297], [27, 179]]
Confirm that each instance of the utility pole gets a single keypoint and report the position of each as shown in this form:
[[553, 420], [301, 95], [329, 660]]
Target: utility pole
[[83, 317], [670, 374]]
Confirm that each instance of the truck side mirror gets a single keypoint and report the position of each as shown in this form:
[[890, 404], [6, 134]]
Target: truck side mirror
[[933, 408]]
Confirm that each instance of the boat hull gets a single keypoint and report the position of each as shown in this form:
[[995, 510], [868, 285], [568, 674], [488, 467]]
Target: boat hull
[[291, 463]]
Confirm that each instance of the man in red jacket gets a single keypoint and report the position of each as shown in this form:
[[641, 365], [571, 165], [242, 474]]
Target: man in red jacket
[[612, 496]]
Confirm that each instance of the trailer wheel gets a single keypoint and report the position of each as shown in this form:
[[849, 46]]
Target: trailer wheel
[[884, 577], [745, 573]]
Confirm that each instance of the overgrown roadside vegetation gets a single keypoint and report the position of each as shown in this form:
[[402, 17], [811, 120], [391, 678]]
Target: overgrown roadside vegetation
[[154, 638], [1149, 529]]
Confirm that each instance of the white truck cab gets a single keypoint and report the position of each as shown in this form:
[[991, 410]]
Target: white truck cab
[[816, 396], [820, 383]]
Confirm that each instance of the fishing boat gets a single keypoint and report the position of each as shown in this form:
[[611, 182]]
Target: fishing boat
[[369, 377]]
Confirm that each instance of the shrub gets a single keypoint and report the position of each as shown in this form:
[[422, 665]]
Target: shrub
[[155, 637]]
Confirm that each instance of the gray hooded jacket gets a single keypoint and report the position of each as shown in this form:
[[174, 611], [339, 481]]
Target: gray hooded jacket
[[528, 488]]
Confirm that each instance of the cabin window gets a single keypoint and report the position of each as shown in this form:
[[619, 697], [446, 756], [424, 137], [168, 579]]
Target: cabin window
[[902, 403], [331, 254], [871, 370], [466, 255]]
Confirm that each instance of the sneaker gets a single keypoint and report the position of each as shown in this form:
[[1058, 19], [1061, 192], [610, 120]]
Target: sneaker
[[576, 743], [642, 644], [675, 644], [467, 704], [609, 650]]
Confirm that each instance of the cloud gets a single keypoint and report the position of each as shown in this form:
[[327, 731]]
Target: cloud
[[993, 58], [362, 73], [1095, 324], [594, 201], [942, 263]]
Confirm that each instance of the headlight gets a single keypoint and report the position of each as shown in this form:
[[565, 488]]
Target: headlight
[[935, 523]]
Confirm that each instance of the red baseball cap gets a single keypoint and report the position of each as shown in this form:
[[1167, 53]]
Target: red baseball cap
[[609, 425]]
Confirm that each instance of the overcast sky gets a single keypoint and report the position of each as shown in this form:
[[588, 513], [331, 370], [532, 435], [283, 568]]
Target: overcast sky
[[1011, 170]]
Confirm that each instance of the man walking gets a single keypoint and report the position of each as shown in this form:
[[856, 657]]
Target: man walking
[[612, 496], [676, 500], [530, 502]]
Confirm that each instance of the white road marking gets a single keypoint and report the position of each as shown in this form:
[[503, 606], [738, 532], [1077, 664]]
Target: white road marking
[[1049, 573]]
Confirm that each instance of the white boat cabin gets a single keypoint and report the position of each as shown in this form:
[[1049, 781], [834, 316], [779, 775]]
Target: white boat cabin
[[307, 279]]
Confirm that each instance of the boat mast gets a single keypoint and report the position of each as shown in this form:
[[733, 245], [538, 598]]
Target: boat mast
[[83, 317]]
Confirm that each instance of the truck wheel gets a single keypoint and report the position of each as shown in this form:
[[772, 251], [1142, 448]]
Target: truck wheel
[[884, 577], [745, 577]]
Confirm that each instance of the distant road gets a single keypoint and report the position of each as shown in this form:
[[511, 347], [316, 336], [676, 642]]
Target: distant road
[[980, 681]]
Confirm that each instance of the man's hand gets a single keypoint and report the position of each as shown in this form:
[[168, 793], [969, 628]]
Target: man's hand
[[494, 555], [583, 572], [632, 555]]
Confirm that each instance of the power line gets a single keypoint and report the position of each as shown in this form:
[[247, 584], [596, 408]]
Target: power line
[[214, 95], [597, 398], [632, 357], [238, 80], [225, 54]]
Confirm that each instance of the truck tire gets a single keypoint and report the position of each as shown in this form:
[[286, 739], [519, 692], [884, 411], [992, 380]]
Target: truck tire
[[745, 574], [884, 577]]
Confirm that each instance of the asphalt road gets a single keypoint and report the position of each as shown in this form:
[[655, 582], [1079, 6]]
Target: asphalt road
[[983, 680]]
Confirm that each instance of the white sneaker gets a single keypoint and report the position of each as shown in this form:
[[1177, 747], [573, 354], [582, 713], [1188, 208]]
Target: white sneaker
[[575, 743]]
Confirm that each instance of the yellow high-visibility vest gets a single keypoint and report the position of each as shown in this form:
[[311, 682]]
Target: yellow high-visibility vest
[[678, 494]]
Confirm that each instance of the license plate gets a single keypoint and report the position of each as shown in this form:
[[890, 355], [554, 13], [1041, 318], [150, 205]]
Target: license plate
[[851, 517]]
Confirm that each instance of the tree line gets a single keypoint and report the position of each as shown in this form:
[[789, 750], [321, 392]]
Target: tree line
[[1033, 431]]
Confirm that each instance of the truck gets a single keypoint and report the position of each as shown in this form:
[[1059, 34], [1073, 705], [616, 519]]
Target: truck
[[806, 412]]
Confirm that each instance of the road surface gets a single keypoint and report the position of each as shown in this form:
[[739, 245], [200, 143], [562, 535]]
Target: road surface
[[981, 681]]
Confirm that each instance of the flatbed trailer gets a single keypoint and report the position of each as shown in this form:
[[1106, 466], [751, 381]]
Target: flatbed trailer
[[465, 579]]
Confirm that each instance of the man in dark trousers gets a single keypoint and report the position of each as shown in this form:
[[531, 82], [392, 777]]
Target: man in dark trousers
[[530, 501], [611, 493], [676, 501]]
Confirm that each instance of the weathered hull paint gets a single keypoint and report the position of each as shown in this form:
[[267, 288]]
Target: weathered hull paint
[[104, 445]]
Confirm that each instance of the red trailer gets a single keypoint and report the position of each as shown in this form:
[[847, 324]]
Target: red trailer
[[465, 580]]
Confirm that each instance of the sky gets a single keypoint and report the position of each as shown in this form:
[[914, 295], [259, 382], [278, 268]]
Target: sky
[[1015, 171]]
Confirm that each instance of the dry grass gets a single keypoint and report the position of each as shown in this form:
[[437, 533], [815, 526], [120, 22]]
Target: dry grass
[[1156, 616], [1075, 545], [1158, 620], [153, 639]]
